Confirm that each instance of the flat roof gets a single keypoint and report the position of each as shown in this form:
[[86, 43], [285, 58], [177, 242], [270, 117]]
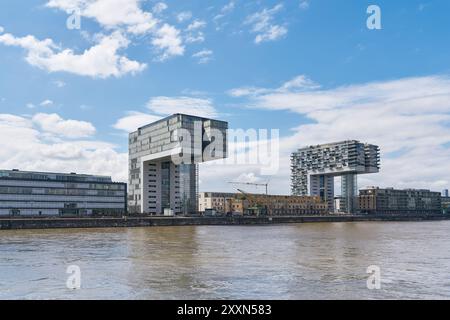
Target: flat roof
[[174, 115], [335, 143], [6, 173]]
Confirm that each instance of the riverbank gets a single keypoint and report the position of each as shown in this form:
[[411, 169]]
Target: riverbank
[[124, 222]]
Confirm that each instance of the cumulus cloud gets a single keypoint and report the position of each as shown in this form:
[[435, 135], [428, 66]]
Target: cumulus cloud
[[56, 154], [168, 41], [54, 124], [163, 106], [110, 13], [134, 120], [262, 24], [102, 60], [409, 118], [118, 15]]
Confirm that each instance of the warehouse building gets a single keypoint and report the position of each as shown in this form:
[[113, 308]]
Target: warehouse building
[[261, 204], [374, 200], [220, 202], [24, 193]]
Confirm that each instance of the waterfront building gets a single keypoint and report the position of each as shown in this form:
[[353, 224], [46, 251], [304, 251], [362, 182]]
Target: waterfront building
[[25, 193], [445, 193], [445, 204], [220, 202], [314, 168], [261, 204], [374, 200], [163, 162]]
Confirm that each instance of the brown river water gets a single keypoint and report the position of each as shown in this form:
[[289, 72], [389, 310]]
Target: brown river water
[[296, 261]]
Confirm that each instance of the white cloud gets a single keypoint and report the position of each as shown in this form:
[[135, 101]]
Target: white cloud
[[119, 15], [193, 38], [194, 34], [111, 14], [102, 60], [94, 157], [188, 105], [304, 4], [134, 120], [30, 106], [1, 29], [168, 41], [46, 103], [203, 56], [59, 83], [54, 124], [163, 106], [184, 16], [226, 9], [262, 24], [297, 84], [197, 24], [409, 118], [159, 7]]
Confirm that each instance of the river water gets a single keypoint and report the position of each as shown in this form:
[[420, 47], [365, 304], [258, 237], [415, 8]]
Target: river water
[[298, 261]]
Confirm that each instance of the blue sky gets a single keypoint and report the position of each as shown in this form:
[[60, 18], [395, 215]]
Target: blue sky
[[72, 108]]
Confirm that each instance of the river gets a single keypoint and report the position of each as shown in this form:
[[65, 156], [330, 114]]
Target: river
[[296, 261]]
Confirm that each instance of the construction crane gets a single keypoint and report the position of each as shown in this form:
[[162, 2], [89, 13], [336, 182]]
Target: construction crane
[[252, 184], [254, 207]]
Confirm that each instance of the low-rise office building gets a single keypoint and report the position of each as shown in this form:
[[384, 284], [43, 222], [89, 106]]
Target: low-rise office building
[[24, 193], [374, 200]]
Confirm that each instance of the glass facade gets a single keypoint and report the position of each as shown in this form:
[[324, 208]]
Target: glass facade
[[33, 193], [165, 185]]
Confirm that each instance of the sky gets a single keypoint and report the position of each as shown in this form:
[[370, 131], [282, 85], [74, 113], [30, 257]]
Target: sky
[[70, 92]]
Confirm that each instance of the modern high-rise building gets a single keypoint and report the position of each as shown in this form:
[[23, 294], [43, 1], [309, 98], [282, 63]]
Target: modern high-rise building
[[163, 162], [25, 193], [313, 170], [445, 193]]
